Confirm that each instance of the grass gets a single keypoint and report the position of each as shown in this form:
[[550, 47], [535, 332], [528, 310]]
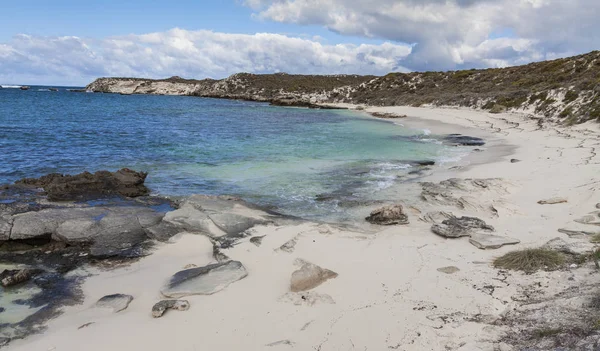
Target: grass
[[595, 238], [531, 260]]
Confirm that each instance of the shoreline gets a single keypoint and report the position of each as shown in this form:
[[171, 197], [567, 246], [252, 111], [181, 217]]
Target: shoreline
[[389, 292]]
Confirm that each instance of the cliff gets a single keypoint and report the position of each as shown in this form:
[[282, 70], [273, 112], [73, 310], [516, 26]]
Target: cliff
[[564, 90]]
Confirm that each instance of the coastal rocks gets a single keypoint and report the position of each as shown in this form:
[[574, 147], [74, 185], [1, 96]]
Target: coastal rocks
[[116, 302], [309, 276], [17, 276], [491, 242], [387, 115], [58, 187], [553, 201], [576, 233], [205, 280], [459, 227], [388, 215], [300, 102], [161, 307], [218, 216], [462, 140]]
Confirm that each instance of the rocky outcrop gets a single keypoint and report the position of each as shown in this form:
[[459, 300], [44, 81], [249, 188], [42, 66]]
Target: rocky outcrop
[[462, 140], [115, 302], [59, 187], [161, 307], [388, 215], [459, 227], [309, 276], [205, 280], [17, 276]]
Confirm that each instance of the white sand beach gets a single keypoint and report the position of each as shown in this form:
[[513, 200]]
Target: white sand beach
[[390, 293]]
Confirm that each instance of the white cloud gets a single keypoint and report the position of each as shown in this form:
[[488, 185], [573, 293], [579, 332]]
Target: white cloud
[[451, 34], [191, 54]]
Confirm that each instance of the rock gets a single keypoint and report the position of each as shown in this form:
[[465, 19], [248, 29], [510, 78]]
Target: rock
[[552, 201], [592, 219], [17, 276], [124, 182], [161, 307], [575, 233], [574, 248], [464, 140], [257, 240], [491, 242], [306, 298], [598, 205], [387, 115], [5, 227], [436, 216], [458, 227], [282, 342], [289, 246], [205, 280], [163, 231], [514, 160], [449, 269], [85, 325], [309, 276], [388, 215], [117, 302]]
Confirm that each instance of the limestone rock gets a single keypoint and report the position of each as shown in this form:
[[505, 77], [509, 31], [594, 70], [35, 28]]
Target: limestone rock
[[161, 307], [575, 233], [449, 269], [514, 160], [490, 242], [117, 302], [598, 205], [572, 248], [257, 240], [592, 219], [289, 246], [436, 217], [5, 227], [464, 140], [124, 182], [458, 227], [205, 280], [162, 231], [553, 201], [309, 276], [388, 215]]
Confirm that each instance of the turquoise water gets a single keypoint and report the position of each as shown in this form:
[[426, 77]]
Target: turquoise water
[[298, 161]]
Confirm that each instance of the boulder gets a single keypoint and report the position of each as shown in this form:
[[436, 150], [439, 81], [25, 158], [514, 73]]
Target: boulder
[[309, 276], [205, 280], [116, 302], [58, 187], [553, 201], [161, 307], [458, 227], [491, 242], [388, 215]]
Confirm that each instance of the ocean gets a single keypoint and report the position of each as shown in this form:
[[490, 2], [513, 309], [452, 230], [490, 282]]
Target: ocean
[[316, 164]]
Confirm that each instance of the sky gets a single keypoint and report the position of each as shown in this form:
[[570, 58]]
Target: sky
[[65, 42]]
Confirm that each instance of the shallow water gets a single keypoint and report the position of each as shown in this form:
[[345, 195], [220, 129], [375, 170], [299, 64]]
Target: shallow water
[[298, 161]]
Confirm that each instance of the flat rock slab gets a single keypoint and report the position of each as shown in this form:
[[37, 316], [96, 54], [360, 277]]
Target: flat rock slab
[[576, 233], [448, 270], [553, 201], [117, 302], [491, 242], [455, 227], [205, 280], [309, 276], [572, 248], [591, 219], [161, 307]]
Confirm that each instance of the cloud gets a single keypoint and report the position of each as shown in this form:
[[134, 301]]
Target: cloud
[[191, 54], [451, 34]]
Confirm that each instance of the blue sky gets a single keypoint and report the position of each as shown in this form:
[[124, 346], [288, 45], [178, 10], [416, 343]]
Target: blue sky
[[99, 19], [73, 42]]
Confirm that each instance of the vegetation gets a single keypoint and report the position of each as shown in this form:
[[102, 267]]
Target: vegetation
[[531, 260]]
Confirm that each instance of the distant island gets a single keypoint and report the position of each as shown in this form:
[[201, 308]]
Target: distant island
[[564, 90]]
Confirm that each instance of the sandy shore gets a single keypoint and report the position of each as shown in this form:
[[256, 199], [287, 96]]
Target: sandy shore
[[389, 293]]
